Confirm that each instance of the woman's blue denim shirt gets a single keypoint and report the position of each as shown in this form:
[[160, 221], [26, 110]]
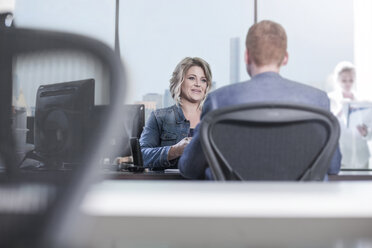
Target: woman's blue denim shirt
[[164, 128]]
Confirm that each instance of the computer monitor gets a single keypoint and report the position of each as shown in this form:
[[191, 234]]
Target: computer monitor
[[134, 119], [62, 118], [131, 123]]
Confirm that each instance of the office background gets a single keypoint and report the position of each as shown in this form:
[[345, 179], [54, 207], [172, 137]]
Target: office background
[[155, 35]]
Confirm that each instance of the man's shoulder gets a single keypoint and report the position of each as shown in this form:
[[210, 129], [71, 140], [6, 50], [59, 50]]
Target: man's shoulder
[[305, 94], [253, 83], [306, 87], [267, 88], [224, 96], [228, 89]]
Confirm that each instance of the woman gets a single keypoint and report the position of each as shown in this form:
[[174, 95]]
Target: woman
[[169, 130], [353, 141]]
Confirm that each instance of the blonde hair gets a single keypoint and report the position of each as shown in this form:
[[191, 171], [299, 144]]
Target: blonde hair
[[179, 73], [266, 43], [342, 67]]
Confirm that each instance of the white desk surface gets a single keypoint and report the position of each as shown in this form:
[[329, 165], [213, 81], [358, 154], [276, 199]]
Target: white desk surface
[[210, 214], [211, 199]]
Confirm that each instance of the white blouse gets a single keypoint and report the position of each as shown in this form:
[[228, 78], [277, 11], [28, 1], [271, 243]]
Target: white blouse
[[353, 146]]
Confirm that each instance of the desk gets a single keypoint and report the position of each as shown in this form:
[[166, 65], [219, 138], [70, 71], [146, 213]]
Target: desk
[[351, 176], [173, 175], [146, 175], [230, 214]]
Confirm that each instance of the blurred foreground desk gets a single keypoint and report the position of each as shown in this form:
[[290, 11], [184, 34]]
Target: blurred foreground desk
[[231, 214]]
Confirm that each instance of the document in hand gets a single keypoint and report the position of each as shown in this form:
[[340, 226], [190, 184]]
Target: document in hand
[[358, 113]]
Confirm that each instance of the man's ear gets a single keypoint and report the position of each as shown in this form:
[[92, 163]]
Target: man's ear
[[246, 57], [285, 59]]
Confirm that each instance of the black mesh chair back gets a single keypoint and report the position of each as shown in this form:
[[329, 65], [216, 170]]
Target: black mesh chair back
[[269, 142]]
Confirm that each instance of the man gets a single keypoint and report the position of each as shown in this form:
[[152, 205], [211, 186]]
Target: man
[[266, 53]]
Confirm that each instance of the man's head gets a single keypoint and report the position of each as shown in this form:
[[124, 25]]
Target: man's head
[[266, 46]]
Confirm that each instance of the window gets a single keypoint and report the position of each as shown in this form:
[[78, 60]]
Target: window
[[156, 35], [320, 35]]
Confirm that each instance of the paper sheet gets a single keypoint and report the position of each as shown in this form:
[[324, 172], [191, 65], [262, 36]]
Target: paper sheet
[[358, 113]]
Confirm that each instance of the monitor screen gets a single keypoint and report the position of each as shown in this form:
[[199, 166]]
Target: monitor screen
[[132, 121]]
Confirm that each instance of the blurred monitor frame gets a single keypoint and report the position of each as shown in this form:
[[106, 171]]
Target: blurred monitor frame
[[62, 120]]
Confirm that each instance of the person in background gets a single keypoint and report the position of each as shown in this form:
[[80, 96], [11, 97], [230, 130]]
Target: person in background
[[169, 130], [266, 53], [353, 141]]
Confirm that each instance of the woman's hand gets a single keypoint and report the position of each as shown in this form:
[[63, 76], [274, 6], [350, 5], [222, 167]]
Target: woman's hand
[[176, 150], [363, 130]]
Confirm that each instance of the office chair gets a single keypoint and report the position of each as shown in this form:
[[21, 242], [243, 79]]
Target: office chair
[[36, 209], [271, 141]]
